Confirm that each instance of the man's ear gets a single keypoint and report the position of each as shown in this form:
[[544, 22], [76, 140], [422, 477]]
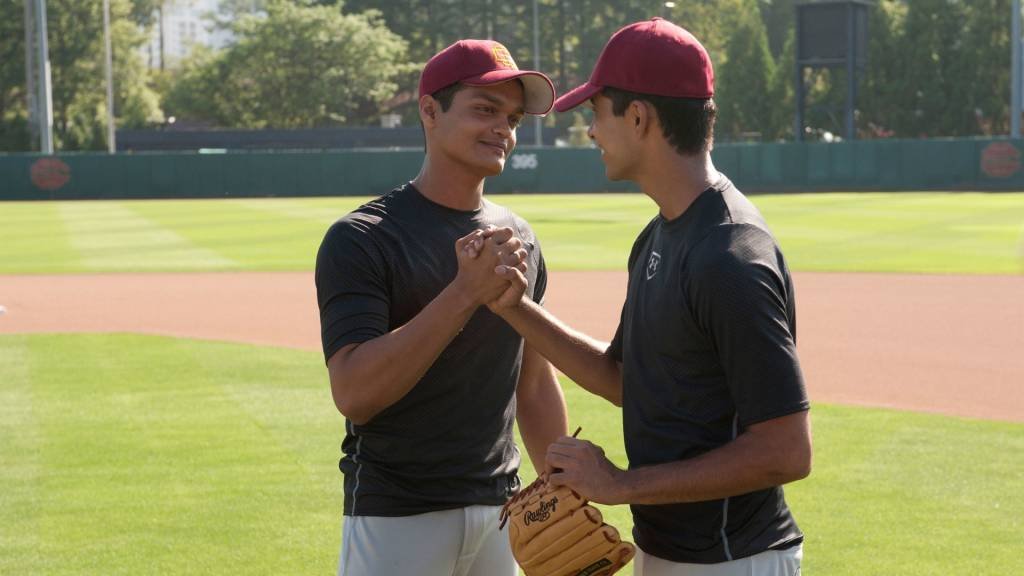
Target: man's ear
[[641, 116], [429, 109]]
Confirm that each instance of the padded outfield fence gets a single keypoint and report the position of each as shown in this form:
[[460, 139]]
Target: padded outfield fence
[[784, 167]]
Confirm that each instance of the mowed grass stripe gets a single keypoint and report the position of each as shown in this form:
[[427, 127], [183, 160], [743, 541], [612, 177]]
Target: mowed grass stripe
[[259, 239], [906, 232], [972, 233], [170, 456], [33, 239], [153, 465], [114, 236], [313, 210], [20, 469]]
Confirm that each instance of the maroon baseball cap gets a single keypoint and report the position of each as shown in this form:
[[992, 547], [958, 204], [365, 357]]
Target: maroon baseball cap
[[482, 63], [651, 57]]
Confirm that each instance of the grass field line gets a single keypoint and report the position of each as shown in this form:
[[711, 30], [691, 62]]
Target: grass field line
[[113, 236], [20, 457]]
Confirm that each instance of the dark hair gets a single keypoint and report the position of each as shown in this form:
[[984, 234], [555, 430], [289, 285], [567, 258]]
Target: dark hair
[[445, 95], [687, 123]]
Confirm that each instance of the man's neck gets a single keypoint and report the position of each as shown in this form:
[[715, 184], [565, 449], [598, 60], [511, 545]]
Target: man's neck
[[449, 184], [675, 181]]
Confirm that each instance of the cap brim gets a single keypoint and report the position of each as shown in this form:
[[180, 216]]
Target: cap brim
[[576, 96], [538, 91]]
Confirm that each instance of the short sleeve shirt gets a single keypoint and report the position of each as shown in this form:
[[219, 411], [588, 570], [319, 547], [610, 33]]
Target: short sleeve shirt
[[448, 443], [707, 342]]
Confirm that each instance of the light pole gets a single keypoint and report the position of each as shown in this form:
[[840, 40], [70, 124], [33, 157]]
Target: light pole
[[1015, 72], [45, 102], [111, 144], [537, 126]]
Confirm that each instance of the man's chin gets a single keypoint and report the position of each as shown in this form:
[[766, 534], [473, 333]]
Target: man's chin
[[493, 168]]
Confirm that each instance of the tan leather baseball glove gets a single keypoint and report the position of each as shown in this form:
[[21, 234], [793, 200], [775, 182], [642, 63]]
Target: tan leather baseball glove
[[554, 532]]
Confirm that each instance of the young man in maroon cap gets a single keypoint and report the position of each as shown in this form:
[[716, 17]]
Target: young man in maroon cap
[[704, 360], [428, 378]]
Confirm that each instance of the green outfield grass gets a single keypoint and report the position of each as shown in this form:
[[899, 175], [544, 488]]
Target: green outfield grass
[[126, 454], [971, 233]]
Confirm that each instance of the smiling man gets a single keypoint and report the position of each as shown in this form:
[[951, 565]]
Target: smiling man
[[704, 361], [429, 380]]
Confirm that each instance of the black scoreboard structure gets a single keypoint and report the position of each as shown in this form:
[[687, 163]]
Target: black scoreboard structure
[[831, 34]]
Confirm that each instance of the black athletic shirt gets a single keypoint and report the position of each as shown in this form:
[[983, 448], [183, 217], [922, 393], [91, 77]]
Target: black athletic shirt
[[707, 344], [448, 443]]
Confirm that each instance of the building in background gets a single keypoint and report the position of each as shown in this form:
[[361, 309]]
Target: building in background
[[178, 27]]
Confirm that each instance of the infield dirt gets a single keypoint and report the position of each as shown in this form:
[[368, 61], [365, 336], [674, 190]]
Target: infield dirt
[[946, 344]]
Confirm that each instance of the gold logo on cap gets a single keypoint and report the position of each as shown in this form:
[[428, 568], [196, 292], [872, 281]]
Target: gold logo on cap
[[502, 57]]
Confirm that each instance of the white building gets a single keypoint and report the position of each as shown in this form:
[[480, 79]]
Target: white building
[[180, 25]]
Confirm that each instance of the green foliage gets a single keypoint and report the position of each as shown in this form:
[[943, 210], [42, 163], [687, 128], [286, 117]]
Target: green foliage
[[935, 67], [294, 67], [956, 61], [78, 82], [13, 107], [746, 92], [76, 54], [881, 90]]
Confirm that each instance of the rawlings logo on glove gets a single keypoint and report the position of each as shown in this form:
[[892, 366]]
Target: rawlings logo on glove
[[542, 513], [555, 532]]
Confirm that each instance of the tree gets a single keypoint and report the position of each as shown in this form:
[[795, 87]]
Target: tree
[[782, 91], [746, 91], [296, 66], [13, 105], [76, 54], [882, 91], [779, 22], [983, 106], [76, 59]]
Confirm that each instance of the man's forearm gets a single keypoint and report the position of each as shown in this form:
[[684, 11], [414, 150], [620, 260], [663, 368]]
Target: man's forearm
[[580, 357], [371, 376], [540, 407], [756, 460]]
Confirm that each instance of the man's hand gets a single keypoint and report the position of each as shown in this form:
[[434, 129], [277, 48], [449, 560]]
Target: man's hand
[[582, 466], [511, 263], [512, 268], [480, 254], [513, 294]]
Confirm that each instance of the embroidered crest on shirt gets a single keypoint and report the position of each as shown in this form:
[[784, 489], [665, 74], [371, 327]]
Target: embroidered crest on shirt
[[652, 264]]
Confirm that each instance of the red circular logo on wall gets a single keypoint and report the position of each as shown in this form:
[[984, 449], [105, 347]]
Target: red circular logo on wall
[[1000, 160], [50, 173]]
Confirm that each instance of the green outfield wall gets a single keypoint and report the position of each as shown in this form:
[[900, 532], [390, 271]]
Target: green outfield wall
[[786, 167]]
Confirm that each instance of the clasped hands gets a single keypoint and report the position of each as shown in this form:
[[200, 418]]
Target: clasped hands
[[492, 266]]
